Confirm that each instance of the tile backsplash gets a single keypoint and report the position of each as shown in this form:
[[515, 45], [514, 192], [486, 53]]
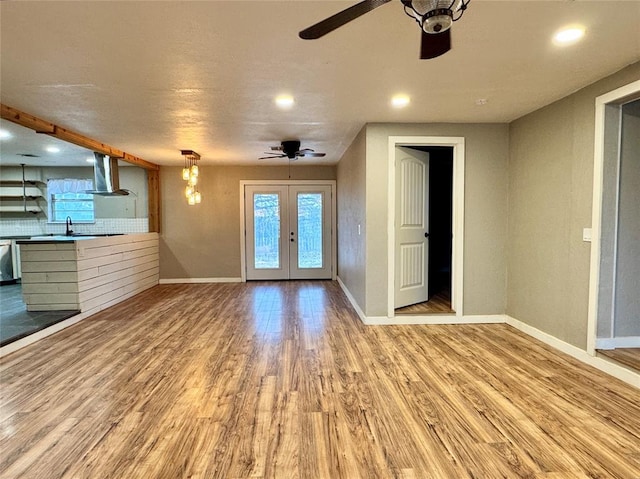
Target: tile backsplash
[[39, 226]]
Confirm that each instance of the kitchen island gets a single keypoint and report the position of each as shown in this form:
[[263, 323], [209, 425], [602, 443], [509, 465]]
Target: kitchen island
[[86, 273]]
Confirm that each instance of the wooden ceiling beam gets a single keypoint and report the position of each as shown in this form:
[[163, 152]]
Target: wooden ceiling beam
[[42, 126]]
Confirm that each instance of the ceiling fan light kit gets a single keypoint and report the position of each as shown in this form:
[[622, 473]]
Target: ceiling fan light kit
[[435, 18], [291, 149]]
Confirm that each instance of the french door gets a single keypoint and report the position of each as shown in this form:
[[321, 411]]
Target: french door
[[288, 231]]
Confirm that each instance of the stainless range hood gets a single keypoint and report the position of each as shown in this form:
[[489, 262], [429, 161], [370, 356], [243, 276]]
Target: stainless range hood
[[105, 170]]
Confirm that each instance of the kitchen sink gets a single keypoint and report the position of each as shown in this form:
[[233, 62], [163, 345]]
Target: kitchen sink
[[97, 234], [53, 237]]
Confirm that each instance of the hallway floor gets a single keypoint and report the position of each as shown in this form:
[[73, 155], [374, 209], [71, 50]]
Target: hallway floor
[[629, 357]]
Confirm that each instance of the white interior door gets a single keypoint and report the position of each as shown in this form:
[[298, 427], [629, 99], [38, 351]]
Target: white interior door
[[412, 220], [288, 232]]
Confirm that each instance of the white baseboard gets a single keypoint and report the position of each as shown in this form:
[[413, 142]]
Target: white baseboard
[[352, 300], [199, 280], [603, 365], [619, 342], [422, 319], [434, 319]]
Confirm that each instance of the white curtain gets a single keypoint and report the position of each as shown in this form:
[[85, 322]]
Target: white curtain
[[68, 185]]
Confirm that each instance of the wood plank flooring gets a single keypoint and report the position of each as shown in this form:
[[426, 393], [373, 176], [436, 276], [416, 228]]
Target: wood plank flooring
[[629, 357], [282, 380], [439, 303]]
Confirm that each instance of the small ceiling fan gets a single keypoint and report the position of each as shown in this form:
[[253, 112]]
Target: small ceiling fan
[[291, 149], [434, 17]]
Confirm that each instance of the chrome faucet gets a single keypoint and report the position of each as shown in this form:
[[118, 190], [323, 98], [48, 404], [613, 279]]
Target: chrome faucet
[[68, 222]]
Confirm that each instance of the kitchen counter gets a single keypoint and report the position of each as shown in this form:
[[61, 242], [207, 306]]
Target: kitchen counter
[[58, 238], [86, 273]]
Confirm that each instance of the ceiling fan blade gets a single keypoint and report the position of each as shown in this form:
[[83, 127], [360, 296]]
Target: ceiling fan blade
[[435, 44], [271, 157], [311, 154], [328, 25]]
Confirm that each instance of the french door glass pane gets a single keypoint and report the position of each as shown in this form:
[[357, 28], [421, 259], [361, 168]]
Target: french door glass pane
[[310, 230], [266, 214]]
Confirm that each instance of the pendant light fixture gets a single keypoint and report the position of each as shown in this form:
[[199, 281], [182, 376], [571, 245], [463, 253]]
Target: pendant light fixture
[[190, 174]]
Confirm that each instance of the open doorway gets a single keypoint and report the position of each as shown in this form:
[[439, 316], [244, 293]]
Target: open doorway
[[614, 306], [427, 174], [438, 234]]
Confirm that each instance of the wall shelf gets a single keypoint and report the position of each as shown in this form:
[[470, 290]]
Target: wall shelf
[[20, 195]]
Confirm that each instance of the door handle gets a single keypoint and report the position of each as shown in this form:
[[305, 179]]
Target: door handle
[[426, 235]]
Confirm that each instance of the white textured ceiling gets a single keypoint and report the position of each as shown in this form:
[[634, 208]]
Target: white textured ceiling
[[151, 77]]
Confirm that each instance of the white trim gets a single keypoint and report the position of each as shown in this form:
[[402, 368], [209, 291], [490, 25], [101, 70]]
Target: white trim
[[619, 97], [419, 319], [618, 342], [603, 365], [457, 254], [404, 319], [352, 300], [43, 333], [334, 220], [199, 280]]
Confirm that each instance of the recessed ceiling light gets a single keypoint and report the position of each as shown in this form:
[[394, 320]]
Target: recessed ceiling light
[[285, 101], [5, 135], [400, 101], [568, 35], [52, 149]]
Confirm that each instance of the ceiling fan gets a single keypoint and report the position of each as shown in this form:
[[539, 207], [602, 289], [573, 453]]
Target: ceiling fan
[[291, 149], [434, 17]]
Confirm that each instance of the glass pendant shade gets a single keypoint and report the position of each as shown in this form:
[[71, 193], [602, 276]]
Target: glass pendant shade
[[437, 24], [435, 16], [190, 174]]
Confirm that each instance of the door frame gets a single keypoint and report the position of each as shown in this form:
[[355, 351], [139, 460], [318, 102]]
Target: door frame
[[331, 183], [615, 98], [457, 242]]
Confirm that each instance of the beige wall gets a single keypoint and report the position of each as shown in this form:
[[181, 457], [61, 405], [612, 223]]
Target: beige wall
[[485, 219], [351, 213], [203, 241], [550, 195]]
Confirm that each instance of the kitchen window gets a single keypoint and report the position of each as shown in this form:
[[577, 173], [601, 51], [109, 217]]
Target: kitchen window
[[68, 197]]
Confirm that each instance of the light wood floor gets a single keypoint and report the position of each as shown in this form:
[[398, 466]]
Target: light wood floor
[[281, 380], [629, 357], [439, 303]]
